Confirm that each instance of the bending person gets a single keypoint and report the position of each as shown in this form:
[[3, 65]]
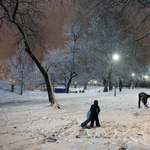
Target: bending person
[[143, 96], [84, 124]]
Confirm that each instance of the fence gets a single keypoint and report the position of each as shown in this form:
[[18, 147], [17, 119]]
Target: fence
[[10, 87]]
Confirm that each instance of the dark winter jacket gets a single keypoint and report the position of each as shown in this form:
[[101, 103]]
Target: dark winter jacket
[[95, 109]]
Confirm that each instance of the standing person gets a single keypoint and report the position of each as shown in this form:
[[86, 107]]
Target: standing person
[[95, 109]]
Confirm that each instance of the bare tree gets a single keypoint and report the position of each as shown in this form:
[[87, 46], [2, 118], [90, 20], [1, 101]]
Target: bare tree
[[22, 70], [102, 41], [132, 14], [60, 68], [133, 17], [24, 19], [73, 35], [55, 62], [19, 67]]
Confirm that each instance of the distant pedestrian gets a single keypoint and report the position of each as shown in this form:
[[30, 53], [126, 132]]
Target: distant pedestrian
[[95, 110]]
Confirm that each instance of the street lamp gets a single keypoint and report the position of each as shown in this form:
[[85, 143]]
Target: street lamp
[[95, 85], [75, 85], [89, 85], [146, 79], [133, 80], [133, 74], [115, 57]]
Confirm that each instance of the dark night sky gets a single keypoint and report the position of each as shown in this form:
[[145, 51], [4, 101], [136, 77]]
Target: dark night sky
[[6, 47], [55, 26], [56, 41]]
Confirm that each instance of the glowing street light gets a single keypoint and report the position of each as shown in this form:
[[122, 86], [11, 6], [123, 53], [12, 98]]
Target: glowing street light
[[75, 85], [133, 74], [147, 80], [115, 57]]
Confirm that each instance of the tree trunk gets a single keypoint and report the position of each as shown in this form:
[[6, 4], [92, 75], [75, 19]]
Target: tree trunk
[[69, 81], [107, 81], [110, 86], [105, 86], [85, 85], [120, 85], [68, 85], [51, 96]]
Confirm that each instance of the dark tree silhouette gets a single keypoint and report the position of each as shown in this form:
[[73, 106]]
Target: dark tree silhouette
[[24, 19]]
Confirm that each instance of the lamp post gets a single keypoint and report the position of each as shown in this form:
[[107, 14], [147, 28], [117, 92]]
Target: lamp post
[[89, 85], [115, 57], [133, 80], [146, 78], [75, 85], [133, 74], [95, 85]]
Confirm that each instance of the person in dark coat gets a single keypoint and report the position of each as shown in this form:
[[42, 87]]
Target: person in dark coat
[[95, 109]]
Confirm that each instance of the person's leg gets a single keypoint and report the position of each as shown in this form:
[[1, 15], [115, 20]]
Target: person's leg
[[92, 123], [88, 119], [97, 122], [144, 100], [85, 122]]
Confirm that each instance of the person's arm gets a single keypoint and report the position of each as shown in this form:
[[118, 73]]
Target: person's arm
[[91, 108]]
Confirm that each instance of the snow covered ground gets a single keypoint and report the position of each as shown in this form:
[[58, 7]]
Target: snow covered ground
[[28, 122]]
